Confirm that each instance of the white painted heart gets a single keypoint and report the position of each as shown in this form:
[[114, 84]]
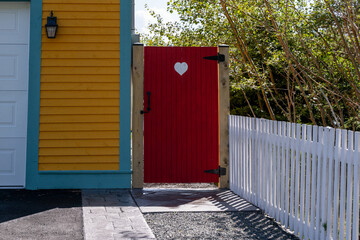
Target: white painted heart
[[181, 68]]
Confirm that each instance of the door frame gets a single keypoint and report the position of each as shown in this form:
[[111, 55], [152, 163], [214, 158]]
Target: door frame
[[138, 119]]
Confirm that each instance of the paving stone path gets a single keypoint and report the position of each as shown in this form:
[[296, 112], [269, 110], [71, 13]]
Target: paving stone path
[[113, 214]]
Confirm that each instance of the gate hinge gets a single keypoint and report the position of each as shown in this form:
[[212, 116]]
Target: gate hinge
[[219, 57], [219, 171]]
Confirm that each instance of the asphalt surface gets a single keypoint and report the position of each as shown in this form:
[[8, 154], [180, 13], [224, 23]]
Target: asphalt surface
[[40, 215], [215, 225]]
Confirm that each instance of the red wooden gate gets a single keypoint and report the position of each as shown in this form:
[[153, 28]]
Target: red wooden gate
[[181, 127]]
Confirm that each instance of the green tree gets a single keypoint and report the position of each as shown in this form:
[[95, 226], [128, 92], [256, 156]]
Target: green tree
[[294, 60]]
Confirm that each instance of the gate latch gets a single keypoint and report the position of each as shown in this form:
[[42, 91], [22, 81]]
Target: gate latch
[[219, 171], [219, 57], [148, 107]]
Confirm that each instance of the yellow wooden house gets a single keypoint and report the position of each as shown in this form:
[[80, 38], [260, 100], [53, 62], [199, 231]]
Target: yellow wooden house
[[65, 101]]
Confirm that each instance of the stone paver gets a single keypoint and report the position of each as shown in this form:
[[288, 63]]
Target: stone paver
[[113, 214], [194, 200]]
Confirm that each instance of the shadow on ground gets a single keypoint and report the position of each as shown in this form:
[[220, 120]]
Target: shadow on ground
[[180, 200], [45, 214], [215, 225], [258, 226]]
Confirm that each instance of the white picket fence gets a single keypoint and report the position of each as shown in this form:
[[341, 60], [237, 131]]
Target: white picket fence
[[306, 177]]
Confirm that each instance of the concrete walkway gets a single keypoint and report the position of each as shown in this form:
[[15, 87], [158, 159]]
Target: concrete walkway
[[113, 214]]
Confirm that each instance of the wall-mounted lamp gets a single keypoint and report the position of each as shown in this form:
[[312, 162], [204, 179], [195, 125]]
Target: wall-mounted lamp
[[51, 26]]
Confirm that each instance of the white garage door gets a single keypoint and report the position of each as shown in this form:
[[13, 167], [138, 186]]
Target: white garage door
[[14, 69]]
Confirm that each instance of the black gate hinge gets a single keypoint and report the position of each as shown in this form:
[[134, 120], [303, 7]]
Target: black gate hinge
[[219, 171], [219, 57]]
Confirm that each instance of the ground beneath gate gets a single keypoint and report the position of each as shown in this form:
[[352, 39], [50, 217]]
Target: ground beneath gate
[[202, 211]]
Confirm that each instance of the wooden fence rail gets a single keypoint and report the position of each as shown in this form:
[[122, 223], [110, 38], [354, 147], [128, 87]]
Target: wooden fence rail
[[306, 177]]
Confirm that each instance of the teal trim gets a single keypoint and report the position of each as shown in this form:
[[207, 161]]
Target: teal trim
[[34, 95], [83, 181], [78, 179], [85, 172], [125, 84]]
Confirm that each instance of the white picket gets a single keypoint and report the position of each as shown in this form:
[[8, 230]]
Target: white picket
[[307, 181], [328, 223], [297, 179], [292, 179], [266, 168], [277, 171], [314, 179], [324, 182], [317, 206], [302, 179], [343, 157], [335, 223], [247, 147], [248, 154], [241, 153], [232, 149], [355, 227], [264, 162], [282, 173], [253, 160], [286, 139], [349, 184]]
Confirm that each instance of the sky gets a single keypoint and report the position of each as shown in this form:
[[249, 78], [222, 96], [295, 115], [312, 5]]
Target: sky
[[143, 18]]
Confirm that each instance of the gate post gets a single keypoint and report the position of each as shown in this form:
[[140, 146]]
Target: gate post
[[224, 111], [137, 118]]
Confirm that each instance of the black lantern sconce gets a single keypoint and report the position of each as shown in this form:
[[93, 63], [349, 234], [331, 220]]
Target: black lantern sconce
[[51, 26]]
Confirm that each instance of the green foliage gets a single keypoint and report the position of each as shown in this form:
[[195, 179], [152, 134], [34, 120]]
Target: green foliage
[[294, 60]]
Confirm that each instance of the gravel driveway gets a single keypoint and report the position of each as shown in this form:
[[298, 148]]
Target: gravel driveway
[[215, 225]]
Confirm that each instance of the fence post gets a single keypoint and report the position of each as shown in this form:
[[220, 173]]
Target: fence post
[[224, 111], [137, 118]]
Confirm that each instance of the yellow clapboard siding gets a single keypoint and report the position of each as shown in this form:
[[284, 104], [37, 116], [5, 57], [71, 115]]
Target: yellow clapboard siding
[[80, 70], [100, 118], [86, 15], [113, 38], [80, 8], [79, 78], [78, 167], [80, 46], [78, 159], [79, 102], [80, 54], [79, 143], [80, 63], [79, 94], [83, 31], [79, 127], [79, 110], [80, 86], [79, 135], [105, 151], [85, 23]]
